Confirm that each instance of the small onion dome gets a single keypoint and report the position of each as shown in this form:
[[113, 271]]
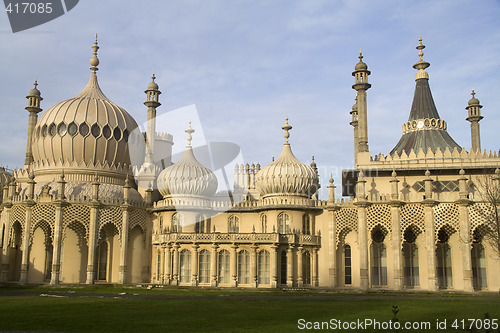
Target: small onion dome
[[360, 66], [153, 85], [34, 91], [187, 177], [473, 101], [287, 175]]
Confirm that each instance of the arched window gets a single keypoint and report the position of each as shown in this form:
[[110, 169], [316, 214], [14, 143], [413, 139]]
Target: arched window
[[263, 223], [443, 265], [378, 258], [243, 267], [347, 265], [177, 222], [199, 227], [224, 266], [478, 266], [411, 276], [283, 267], [234, 224], [306, 267], [204, 267], [263, 266], [160, 225], [306, 224], [102, 263], [185, 266], [283, 223]]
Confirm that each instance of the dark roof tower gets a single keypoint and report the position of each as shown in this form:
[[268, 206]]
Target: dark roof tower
[[424, 129]]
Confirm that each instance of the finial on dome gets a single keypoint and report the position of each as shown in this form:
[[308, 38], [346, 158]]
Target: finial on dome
[[472, 93], [36, 84], [286, 128], [360, 55], [94, 61], [189, 131], [331, 178], [420, 47]]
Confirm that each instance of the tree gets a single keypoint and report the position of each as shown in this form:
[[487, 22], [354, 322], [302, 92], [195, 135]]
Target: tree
[[488, 188]]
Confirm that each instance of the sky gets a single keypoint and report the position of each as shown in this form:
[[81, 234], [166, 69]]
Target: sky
[[246, 65]]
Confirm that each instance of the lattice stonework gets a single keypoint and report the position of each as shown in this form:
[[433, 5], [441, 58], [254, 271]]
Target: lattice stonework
[[47, 230], [78, 213], [480, 214], [43, 212], [379, 215], [412, 214], [111, 215], [18, 214], [138, 217], [347, 220], [446, 214]]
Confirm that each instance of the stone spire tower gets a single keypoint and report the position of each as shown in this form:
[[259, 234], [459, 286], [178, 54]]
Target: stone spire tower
[[424, 129], [34, 97], [474, 117], [354, 123], [152, 102], [361, 85]]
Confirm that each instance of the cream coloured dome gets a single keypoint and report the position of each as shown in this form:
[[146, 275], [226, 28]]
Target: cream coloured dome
[[86, 131], [187, 177], [287, 175]]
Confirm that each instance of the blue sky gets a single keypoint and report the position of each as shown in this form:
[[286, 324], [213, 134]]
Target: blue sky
[[248, 64]]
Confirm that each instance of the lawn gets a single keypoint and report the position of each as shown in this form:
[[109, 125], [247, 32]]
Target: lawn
[[104, 309]]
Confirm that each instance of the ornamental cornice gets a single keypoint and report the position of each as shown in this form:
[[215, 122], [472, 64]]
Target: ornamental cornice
[[424, 124]]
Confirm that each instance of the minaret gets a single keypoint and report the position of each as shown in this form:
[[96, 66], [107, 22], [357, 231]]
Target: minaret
[[474, 117], [152, 102], [33, 108], [361, 85], [354, 123]]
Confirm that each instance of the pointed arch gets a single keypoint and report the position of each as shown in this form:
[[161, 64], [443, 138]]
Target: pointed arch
[[136, 250], [40, 253], [74, 253]]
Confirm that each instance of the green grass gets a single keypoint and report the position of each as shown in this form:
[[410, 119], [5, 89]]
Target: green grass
[[231, 312]]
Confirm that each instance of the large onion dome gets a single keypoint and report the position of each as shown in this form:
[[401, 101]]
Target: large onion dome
[[84, 134], [187, 177], [287, 175]]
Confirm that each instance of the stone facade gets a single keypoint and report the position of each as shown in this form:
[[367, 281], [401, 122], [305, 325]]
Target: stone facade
[[77, 212]]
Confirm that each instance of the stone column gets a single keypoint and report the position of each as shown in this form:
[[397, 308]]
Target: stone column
[[465, 237], [93, 229], [363, 245], [6, 211], [26, 242], [315, 279], [175, 273], [233, 265], [274, 266], [289, 270], [396, 244], [213, 266], [124, 244], [300, 279], [430, 243], [168, 264], [194, 265], [161, 265], [332, 240], [56, 256], [253, 266]]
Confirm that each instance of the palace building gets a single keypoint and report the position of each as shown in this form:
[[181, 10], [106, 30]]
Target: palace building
[[79, 212]]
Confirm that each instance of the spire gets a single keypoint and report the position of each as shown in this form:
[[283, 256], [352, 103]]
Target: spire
[[94, 61], [286, 128], [424, 128], [474, 117], [189, 131], [421, 65]]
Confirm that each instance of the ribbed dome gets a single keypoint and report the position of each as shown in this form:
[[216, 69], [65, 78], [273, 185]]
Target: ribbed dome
[[287, 175], [187, 177], [87, 130]]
